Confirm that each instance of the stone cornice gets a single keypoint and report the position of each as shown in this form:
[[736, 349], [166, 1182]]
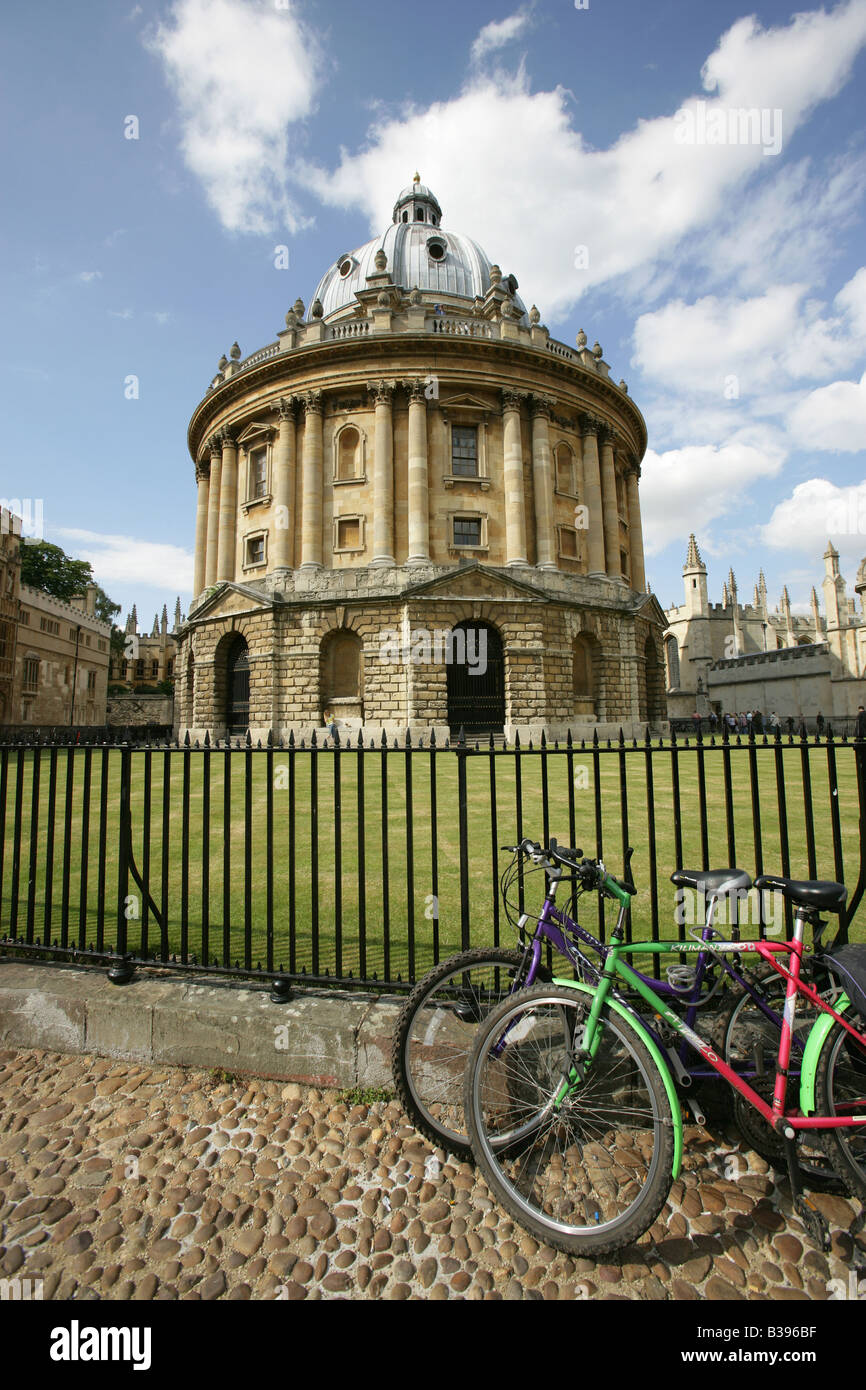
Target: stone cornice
[[480, 363]]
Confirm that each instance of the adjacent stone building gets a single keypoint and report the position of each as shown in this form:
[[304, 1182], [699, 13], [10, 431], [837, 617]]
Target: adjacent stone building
[[416, 509], [147, 658], [731, 656], [61, 663], [10, 583]]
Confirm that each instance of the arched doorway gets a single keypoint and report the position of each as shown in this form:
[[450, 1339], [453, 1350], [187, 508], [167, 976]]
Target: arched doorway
[[238, 687], [475, 679]]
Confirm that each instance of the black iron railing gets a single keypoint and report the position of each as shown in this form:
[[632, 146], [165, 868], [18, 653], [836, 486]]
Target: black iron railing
[[363, 863]]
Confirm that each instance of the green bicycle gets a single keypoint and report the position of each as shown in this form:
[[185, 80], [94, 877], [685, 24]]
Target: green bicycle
[[573, 1111]]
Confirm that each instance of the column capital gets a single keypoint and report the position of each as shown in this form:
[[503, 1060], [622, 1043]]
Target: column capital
[[511, 399], [542, 405], [416, 391], [590, 424], [312, 402], [631, 469], [202, 470], [382, 391], [215, 445], [608, 435], [286, 407], [227, 439]]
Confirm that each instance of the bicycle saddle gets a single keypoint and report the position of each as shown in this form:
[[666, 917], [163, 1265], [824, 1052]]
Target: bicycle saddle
[[819, 894], [713, 882]]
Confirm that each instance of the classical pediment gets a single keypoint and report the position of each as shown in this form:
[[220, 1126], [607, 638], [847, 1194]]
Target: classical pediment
[[477, 582], [255, 430], [652, 610], [232, 598]]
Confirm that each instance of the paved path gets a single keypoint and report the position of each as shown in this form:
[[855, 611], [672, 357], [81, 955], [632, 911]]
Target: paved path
[[122, 1182]]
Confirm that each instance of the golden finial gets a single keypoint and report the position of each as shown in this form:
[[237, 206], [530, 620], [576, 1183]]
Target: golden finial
[[417, 178]]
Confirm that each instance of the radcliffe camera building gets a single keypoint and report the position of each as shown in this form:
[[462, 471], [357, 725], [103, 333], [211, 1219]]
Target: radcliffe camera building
[[416, 468]]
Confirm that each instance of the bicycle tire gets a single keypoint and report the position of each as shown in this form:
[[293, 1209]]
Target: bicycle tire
[[432, 1040], [738, 1031], [570, 1171], [840, 1084]]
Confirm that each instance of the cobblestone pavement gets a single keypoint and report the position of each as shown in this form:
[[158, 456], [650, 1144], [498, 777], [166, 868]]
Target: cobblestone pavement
[[118, 1181]]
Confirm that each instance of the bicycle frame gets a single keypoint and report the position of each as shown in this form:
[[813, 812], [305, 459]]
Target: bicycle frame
[[548, 928], [775, 1113]]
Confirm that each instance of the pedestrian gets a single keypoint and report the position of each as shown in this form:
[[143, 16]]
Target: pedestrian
[[743, 723], [860, 726], [714, 720], [757, 722], [819, 723], [331, 723], [775, 722]]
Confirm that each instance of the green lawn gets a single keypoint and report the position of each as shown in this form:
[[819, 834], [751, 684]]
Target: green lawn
[[391, 911]]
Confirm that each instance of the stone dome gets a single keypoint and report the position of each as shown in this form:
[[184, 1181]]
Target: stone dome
[[420, 254]]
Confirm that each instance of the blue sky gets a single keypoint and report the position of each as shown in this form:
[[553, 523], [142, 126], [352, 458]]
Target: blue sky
[[725, 280]]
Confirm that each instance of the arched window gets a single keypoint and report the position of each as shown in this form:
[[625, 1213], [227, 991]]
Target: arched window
[[672, 656], [238, 687], [348, 453]]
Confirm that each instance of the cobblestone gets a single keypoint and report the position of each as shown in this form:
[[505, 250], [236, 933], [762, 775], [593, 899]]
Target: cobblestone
[[129, 1189]]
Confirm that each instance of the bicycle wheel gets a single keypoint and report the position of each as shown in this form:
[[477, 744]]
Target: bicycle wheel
[[841, 1090], [742, 1035], [582, 1157], [435, 1034]]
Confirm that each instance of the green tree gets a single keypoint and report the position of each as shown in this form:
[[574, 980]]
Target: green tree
[[47, 567]]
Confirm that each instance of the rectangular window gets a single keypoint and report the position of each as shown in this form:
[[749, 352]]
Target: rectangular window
[[25, 617], [467, 530], [256, 550], [464, 451], [568, 543], [50, 625], [31, 675], [349, 533], [91, 682], [139, 668], [258, 472]]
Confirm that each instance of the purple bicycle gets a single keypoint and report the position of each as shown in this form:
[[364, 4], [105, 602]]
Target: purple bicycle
[[436, 1028]]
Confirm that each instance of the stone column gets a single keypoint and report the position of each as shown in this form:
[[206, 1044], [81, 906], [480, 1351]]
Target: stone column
[[610, 505], [542, 482], [284, 486], [419, 492], [311, 482], [383, 474], [228, 509], [202, 475], [515, 501], [635, 530], [213, 512], [592, 497]]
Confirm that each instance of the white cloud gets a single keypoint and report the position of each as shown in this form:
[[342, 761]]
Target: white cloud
[[243, 74], [631, 204], [498, 33], [88, 276], [832, 417], [746, 345], [818, 509], [706, 480], [127, 560]]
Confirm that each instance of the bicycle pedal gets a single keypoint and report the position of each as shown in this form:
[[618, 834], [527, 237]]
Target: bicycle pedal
[[814, 1221]]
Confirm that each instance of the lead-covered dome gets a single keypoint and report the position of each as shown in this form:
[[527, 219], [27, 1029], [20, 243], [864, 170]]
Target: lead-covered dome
[[420, 254]]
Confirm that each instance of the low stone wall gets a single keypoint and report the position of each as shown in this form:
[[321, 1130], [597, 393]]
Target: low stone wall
[[133, 709]]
